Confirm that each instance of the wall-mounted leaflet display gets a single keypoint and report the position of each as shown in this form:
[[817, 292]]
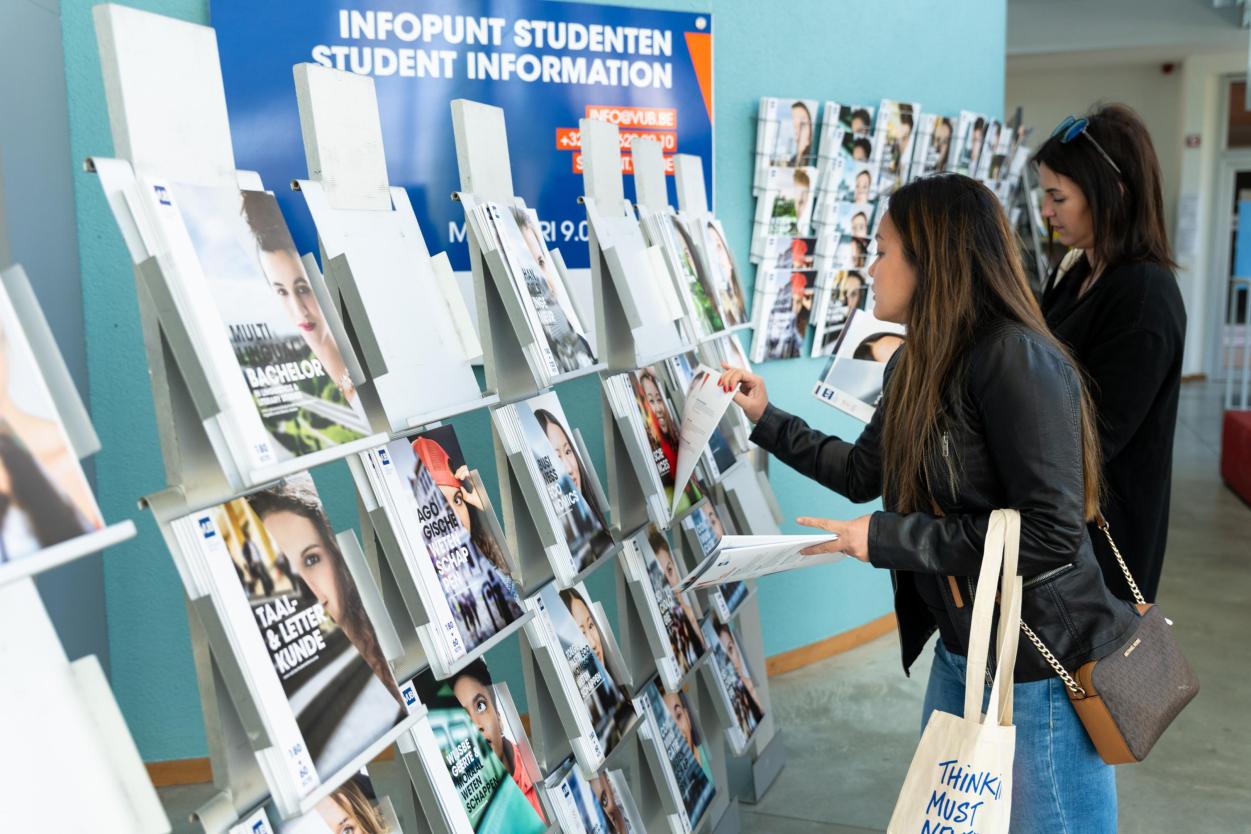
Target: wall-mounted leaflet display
[[702, 530], [644, 413], [733, 686], [50, 514], [969, 138], [601, 804], [840, 292], [562, 495], [785, 137], [670, 618], [376, 259], [448, 552], [556, 343], [784, 302], [852, 380], [583, 669], [474, 736], [69, 763], [895, 128], [289, 612], [677, 753]]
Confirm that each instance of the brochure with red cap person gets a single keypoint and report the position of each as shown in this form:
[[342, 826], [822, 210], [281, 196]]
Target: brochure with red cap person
[[450, 539]]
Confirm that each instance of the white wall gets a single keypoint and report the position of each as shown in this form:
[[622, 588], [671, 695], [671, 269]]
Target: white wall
[[1190, 26], [1048, 94]]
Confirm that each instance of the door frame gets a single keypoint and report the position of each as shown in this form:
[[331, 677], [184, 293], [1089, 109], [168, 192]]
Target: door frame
[[1227, 167]]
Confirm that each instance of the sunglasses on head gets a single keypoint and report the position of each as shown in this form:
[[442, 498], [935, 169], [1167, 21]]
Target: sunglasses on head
[[1072, 127]]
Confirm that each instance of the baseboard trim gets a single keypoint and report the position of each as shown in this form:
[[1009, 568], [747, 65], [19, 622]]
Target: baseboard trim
[[830, 646], [197, 771], [180, 772]]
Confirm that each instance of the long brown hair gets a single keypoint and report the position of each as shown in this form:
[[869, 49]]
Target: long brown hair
[[1126, 208], [968, 268]]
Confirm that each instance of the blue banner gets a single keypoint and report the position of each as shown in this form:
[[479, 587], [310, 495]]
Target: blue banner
[[546, 63]]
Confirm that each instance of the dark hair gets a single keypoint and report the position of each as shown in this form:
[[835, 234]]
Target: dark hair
[[905, 116], [862, 113], [864, 350], [954, 233], [1126, 209], [477, 670], [696, 740], [263, 216], [863, 142], [53, 517], [546, 418], [299, 497], [658, 542], [979, 124], [860, 214], [569, 595], [864, 172]]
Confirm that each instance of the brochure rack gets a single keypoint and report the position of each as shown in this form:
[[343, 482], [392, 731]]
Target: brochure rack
[[376, 259], [486, 176], [35, 649], [73, 415], [630, 312]]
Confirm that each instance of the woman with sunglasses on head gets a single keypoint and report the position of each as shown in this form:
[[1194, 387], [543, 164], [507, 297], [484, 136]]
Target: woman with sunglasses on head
[[982, 409], [1115, 304]]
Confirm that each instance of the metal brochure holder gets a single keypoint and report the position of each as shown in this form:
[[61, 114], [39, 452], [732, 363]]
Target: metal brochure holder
[[73, 415], [486, 177], [633, 331], [368, 234]]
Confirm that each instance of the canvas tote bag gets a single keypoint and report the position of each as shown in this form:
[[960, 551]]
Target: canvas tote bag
[[960, 780]]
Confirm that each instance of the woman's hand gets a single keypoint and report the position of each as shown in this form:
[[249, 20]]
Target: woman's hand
[[751, 397], [853, 536]]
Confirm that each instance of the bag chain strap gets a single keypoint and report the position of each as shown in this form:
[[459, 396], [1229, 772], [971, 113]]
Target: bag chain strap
[[1072, 684]]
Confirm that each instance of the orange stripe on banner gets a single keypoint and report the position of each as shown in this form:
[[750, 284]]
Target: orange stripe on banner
[[699, 44]]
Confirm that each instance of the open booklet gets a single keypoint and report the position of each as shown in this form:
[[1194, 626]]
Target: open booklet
[[746, 557]]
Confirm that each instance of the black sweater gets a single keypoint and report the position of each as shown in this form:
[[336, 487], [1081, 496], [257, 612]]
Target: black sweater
[[1127, 333]]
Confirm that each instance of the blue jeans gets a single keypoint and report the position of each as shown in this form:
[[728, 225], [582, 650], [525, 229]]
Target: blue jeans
[[1059, 783]]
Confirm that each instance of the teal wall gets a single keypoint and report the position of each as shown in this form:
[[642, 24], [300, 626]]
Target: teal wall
[[947, 55]]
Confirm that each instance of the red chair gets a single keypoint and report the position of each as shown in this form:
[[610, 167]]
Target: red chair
[[1236, 453]]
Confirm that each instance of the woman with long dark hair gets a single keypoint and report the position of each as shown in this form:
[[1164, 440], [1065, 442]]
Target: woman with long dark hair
[[34, 514], [1118, 309], [982, 409], [293, 515]]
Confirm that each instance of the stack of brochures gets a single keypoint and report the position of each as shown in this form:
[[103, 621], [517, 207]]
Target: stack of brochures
[[575, 646], [452, 552], [562, 494], [288, 612], [675, 746], [601, 804]]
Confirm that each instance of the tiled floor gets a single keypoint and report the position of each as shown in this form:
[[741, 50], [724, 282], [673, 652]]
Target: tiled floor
[[851, 722]]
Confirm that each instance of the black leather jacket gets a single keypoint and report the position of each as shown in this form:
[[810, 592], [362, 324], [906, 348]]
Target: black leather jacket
[[1012, 440]]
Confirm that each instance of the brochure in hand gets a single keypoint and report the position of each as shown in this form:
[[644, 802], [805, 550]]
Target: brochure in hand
[[704, 527], [705, 405], [747, 557], [852, 380]]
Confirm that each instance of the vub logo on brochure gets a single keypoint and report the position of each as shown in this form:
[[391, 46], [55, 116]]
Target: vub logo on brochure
[[257, 823], [207, 530], [410, 695], [162, 195], [384, 457]]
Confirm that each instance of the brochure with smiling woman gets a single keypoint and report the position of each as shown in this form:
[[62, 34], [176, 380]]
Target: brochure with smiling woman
[[295, 622]]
